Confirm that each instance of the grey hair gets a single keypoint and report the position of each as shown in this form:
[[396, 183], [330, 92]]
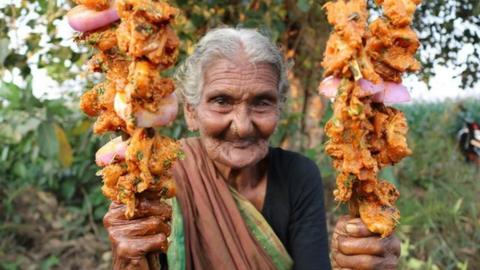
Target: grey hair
[[226, 43]]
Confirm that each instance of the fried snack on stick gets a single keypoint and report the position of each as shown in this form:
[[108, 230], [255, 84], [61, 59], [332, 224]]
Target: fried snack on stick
[[133, 100], [364, 135]]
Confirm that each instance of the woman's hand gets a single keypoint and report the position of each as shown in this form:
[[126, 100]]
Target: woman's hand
[[355, 247], [133, 239]]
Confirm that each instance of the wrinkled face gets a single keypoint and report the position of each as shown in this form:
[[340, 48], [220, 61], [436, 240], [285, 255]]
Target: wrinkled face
[[238, 111]]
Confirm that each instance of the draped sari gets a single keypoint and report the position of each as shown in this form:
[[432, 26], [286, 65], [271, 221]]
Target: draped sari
[[213, 226]]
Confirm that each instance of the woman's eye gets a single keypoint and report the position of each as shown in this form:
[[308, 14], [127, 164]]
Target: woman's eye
[[262, 103], [221, 100]]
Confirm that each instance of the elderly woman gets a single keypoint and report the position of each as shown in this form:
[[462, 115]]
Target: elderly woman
[[241, 204]]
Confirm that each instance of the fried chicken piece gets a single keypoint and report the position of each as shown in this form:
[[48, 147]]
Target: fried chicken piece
[[110, 175], [147, 165], [400, 12], [337, 56], [387, 73], [89, 103], [367, 68], [108, 121], [389, 143], [94, 4], [396, 131], [109, 60], [146, 84], [343, 192], [126, 192], [138, 155], [99, 98], [114, 65], [165, 184], [102, 39], [164, 152], [138, 37], [349, 19], [157, 12], [375, 205], [394, 47], [149, 157], [152, 155]]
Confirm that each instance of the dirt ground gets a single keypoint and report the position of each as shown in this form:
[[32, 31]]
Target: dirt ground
[[50, 236]]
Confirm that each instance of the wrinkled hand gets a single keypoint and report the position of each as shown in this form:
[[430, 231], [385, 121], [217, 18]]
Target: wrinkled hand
[[355, 247], [133, 239]]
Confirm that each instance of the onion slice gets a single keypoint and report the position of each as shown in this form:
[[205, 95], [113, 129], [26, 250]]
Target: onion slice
[[369, 88], [82, 19], [121, 107], [393, 93], [166, 111], [112, 151], [329, 87]]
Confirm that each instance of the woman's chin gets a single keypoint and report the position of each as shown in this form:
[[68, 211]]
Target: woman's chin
[[238, 158]]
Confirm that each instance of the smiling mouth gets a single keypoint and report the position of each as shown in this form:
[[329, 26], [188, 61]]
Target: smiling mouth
[[242, 144]]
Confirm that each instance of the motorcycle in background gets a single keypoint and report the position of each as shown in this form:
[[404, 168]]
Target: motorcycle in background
[[469, 137]]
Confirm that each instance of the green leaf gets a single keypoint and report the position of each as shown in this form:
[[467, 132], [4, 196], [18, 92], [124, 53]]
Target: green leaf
[[303, 5], [11, 93], [47, 140], [43, 4], [68, 189], [65, 154], [50, 262], [20, 170], [4, 51]]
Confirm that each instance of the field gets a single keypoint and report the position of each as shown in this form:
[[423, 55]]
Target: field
[[51, 204]]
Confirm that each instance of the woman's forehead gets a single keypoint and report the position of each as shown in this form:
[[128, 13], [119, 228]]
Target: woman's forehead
[[226, 73]]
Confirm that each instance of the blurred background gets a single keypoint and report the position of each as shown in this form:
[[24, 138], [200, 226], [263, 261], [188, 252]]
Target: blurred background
[[51, 205]]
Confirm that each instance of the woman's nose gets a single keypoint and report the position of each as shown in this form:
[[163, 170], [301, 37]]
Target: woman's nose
[[242, 125]]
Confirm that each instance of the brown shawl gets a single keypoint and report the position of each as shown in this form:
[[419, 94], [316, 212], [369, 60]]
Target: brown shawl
[[216, 237]]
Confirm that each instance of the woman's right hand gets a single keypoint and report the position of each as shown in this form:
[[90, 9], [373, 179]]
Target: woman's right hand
[[133, 239]]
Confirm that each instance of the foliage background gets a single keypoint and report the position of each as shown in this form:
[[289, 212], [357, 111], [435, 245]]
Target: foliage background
[[50, 200]]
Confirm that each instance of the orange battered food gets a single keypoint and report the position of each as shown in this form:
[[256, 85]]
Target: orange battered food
[[131, 55], [394, 47], [365, 137], [139, 37], [94, 4], [349, 20], [400, 12], [147, 163]]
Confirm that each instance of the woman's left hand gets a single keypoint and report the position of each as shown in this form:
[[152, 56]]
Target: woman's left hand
[[355, 247]]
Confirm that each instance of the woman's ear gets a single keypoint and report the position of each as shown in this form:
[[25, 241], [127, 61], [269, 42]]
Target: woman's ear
[[190, 116]]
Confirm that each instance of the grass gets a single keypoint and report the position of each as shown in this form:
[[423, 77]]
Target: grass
[[440, 224]]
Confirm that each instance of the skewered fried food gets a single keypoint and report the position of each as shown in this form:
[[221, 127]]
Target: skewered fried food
[[134, 99], [366, 136]]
